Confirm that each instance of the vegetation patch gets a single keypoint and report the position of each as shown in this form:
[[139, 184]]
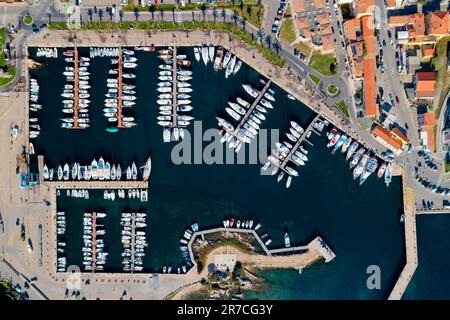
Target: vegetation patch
[[314, 79], [7, 74], [287, 30], [342, 106], [443, 77], [326, 64], [27, 20], [332, 89]]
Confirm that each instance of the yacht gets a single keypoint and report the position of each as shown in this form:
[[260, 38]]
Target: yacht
[[197, 53], [147, 169], [287, 241]]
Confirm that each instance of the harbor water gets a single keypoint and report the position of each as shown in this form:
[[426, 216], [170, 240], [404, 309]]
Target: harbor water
[[361, 224]]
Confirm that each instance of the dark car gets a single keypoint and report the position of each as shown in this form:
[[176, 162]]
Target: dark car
[[397, 100]]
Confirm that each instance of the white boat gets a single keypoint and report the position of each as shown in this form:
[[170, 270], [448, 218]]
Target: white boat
[[197, 53], [287, 241], [230, 67], [237, 67], [211, 53], [226, 59], [205, 55], [250, 90], [147, 169]]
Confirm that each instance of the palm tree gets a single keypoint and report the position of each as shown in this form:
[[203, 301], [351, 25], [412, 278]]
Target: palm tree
[[110, 13], [100, 14], [90, 14], [234, 17], [203, 9], [214, 13], [223, 14], [244, 22], [121, 16], [277, 45], [268, 41], [152, 11], [260, 35], [136, 13]]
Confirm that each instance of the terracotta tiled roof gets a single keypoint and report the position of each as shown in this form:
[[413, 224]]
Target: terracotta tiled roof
[[365, 6], [320, 4], [384, 135], [303, 23], [351, 27], [429, 119], [298, 6], [323, 18], [396, 132], [439, 23], [328, 42], [417, 22], [398, 20], [326, 29], [370, 95]]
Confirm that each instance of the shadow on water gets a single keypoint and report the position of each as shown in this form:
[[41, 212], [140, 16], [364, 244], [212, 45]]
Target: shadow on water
[[361, 224]]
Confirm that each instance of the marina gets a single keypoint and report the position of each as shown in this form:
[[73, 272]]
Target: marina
[[165, 211]]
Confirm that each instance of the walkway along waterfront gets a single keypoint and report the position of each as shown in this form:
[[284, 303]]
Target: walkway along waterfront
[[410, 240], [278, 76]]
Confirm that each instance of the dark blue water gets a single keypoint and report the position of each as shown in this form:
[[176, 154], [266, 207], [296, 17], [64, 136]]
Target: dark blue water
[[431, 279], [361, 224]]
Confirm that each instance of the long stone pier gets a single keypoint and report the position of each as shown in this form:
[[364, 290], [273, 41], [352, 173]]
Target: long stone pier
[[410, 240], [317, 244]]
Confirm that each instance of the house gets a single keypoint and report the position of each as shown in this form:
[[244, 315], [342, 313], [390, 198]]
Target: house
[[424, 84], [370, 95], [298, 6], [427, 122], [438, 23], [386, 139]]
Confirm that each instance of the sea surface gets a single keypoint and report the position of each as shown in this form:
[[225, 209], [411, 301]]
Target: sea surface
[[361, 224]]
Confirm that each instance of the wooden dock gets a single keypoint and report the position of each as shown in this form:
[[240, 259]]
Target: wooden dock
[[410, 241], [94, 241], [303, 138], [252, 107], [174, 88], [133, 240], [89, 184], [119, 90], [75, 89]]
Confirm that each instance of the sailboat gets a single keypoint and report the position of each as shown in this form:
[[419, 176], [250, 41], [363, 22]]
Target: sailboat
[[147, 169], [134, 171]]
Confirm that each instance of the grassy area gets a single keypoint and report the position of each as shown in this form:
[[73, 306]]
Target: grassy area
[[249, 10], [2, 46], [6, 291], [10, 72], [342, 106], [324, 63], [314, 79], [303, 48], [447, 166], [287, 30], [188, 25], [27, 20], [332, 89], [443, 77]]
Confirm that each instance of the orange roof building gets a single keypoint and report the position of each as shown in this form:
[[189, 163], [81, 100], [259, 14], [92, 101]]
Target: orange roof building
[[370, 95], [428, 52], [302, 23], [427, 134], [386, 139], [417, 26], [352, 29], [425, 83], [323, 18], [328, 42], [298, 6], [320, 4], [399, 135], [438, 23], [365, 6], [398, 21]]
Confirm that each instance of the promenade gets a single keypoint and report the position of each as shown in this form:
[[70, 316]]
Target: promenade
[[410, 241]]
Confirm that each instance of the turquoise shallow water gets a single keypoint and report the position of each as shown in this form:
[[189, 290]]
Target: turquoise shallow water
[[361, 224]]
